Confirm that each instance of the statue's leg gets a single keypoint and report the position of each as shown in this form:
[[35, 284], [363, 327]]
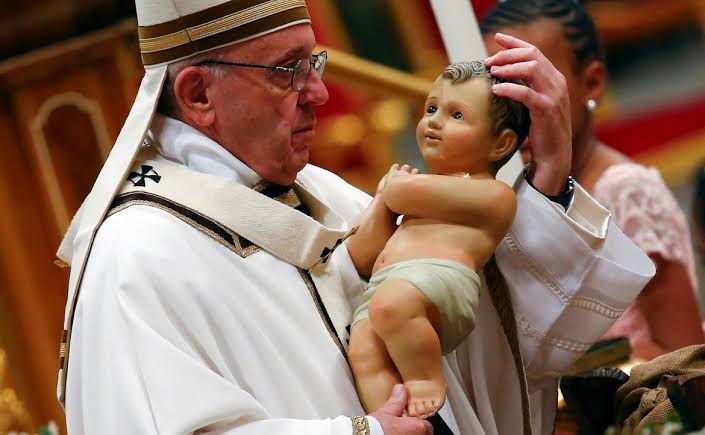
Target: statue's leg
[[373, 369], [407, 321]]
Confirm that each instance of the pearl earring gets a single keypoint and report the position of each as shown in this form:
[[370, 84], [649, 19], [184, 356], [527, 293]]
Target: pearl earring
[[591, 105]]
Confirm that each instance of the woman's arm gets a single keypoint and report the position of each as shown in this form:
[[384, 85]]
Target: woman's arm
[[669, 306]]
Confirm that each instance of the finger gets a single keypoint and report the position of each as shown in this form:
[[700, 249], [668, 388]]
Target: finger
[[512, 55], [523, 94], [406, 168], [528, 71], [381, 184], [415, 171], [428, 427], [394, 167], [397, 401], [509, 41]]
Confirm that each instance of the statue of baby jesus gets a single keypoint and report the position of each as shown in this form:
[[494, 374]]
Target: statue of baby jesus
[[424, 284]]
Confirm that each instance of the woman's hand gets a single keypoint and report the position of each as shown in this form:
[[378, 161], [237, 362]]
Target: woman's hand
[[546, 97]]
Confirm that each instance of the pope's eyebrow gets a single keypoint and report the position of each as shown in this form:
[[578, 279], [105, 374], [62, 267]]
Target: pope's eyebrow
[[291, 55]]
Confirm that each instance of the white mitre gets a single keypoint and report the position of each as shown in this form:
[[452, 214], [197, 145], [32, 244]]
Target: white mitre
[[169, 31]]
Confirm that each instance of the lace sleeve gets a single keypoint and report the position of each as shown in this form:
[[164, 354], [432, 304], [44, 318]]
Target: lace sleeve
[[646, 211]]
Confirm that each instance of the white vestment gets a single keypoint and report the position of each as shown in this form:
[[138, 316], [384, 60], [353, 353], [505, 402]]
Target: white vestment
[[175, 333]]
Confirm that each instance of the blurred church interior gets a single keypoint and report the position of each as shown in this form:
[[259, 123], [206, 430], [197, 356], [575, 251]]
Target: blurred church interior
[[69, 70]]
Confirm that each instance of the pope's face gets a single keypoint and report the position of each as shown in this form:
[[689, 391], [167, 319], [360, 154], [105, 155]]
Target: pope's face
[[454, 134], [259, 118]]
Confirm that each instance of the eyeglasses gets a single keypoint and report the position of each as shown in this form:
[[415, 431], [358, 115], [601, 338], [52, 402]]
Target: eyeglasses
[[299, 72]]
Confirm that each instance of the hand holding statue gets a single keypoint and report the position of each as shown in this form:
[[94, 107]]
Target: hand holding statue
[[546, 97], [393, 420]]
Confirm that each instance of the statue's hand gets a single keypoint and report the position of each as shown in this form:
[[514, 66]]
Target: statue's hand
[[395, 171]]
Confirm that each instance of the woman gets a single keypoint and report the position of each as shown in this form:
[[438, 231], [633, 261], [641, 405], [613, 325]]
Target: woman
[[665, 316]]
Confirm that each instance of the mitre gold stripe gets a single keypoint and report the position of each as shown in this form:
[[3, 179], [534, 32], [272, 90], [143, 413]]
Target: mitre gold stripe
[[259, 27], [247, 16], [164, 42], [219, 25]]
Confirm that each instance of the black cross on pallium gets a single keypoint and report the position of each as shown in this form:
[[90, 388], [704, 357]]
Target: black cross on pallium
[[325, 255], [141, 176]]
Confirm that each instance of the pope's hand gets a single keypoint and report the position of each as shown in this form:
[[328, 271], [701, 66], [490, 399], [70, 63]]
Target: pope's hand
[[390, 416], [546, 97]]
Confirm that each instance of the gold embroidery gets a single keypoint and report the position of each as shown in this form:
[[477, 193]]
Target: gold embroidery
[[61, 263], [261, 186], [289, 198], [63, 348], [236, 247], [164, 42], [360, 426], [321, 310], [596, 306]]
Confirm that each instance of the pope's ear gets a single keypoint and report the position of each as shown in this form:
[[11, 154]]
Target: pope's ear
[[192, 97], [505, 144]]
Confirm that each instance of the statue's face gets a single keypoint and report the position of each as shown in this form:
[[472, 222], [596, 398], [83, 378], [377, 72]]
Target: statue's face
[[454, 134]]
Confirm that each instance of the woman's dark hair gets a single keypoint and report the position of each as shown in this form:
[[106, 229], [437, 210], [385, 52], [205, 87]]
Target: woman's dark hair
[[576, 22]]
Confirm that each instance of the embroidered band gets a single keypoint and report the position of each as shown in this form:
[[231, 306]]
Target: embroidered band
[[62, 348], [320, 306], [220, 25], [284, 194], [530, 330], [233, 241]]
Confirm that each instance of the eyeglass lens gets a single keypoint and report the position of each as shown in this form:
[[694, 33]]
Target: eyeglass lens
[[303, 67]]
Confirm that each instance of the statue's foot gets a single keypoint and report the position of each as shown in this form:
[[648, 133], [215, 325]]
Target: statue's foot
[[426, 397]]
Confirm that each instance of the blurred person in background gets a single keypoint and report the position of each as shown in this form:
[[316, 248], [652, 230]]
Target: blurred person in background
[[665, 316], [699, 209]]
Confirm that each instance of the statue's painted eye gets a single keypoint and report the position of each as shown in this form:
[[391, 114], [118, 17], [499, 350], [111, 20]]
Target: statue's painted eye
[[458, 115], [431, 109]]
